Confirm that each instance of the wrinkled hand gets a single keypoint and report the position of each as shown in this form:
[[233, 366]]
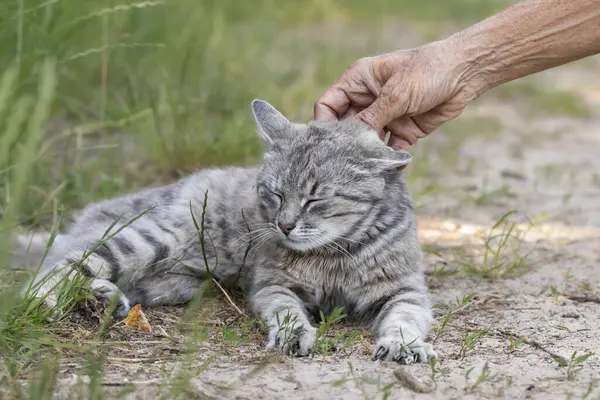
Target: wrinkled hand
[[409, 92]]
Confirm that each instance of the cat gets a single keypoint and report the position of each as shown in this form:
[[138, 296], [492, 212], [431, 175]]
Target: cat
[[325, 221]]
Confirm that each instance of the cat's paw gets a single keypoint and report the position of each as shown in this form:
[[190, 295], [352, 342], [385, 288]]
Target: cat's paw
[[402, 351], [293, 342], [105, 290], [102, 289]]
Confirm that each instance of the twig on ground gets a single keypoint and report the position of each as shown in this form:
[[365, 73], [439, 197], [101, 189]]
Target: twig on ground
[[164, 333], [124, 342], [134, 360], [483, 299], [410, 381], [239, 310], [530, 342], [121, 383], [506, 334], [582, 299]]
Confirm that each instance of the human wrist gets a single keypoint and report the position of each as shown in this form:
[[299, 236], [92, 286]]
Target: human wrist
[[468, 63], [464, 70], [485, 58]]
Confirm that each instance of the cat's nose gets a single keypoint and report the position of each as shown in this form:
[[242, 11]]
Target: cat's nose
[[286, 228]]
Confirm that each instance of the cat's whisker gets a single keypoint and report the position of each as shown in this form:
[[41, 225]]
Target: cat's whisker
[[250, 233], [336, 237], [332, 246], [347, 239], [341, 250], [255, 239], [253, 252], [346, 252], [333, 249]]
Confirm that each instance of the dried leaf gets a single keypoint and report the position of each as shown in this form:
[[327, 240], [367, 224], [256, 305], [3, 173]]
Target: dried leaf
[[136, 319]]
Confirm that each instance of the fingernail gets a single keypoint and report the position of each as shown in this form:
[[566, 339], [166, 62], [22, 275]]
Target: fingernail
[[400, 145]]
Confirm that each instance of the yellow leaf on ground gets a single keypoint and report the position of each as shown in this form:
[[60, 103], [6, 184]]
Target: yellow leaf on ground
[[136, 319]]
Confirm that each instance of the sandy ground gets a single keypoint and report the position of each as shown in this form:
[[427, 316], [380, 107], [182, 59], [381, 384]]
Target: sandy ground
[[547, 168]]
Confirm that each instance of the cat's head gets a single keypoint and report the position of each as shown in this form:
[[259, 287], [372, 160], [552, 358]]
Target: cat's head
[[320, 180]]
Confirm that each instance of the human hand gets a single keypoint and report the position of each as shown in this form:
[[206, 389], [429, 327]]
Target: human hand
[[409, 92]]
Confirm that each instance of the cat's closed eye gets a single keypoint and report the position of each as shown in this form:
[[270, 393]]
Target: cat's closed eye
[[312, 201], [274, 193], [279, 196]]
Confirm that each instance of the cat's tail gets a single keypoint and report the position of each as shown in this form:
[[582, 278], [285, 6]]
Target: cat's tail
[[28, 251]]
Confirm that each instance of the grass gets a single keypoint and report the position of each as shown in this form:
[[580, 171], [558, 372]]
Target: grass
[[439, 328], [502, 254], [551, 172], [21, 322], [514, 344], [436, 370], [370, 388], [556, 291], [484, 376], [573, 364], [469, 340], [323, 344]]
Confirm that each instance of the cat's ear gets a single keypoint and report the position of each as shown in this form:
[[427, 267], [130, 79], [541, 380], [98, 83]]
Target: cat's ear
[[271, 124], [393, 160]]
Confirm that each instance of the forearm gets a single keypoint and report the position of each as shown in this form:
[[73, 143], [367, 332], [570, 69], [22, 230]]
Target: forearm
[[526, 38]]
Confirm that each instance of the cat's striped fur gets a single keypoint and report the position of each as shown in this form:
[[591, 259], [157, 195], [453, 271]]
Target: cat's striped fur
[[326, 221]]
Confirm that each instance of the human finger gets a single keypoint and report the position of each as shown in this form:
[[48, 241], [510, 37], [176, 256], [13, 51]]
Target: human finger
[[332, 104], [406, 129], [399, 144]]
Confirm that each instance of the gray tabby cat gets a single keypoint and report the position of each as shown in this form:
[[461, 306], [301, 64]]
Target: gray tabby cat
[[326, 221]]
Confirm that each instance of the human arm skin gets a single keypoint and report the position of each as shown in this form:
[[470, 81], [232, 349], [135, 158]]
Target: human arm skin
[[412, 92], [526, 38]]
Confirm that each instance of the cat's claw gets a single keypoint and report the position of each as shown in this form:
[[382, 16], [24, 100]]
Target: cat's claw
[[297, 343], [402, 351]]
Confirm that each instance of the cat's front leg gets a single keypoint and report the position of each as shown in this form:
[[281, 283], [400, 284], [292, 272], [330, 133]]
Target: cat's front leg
[[401, 323], [282, 309]]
